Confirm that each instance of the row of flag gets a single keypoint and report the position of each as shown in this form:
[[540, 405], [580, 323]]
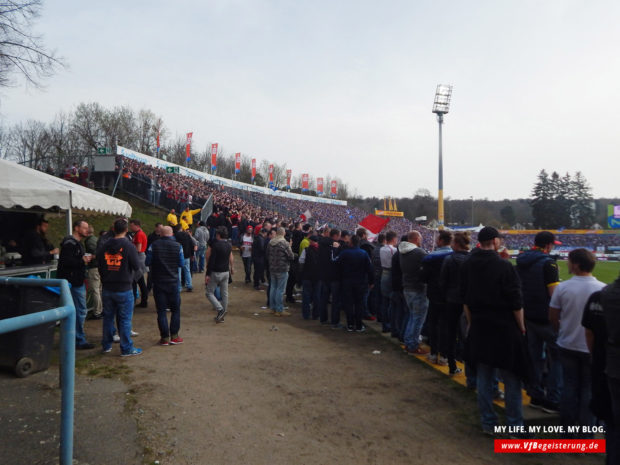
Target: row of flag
[[305, 178]]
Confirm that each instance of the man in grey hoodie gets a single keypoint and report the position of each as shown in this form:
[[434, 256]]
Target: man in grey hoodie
[[279, 256], [414, 290]]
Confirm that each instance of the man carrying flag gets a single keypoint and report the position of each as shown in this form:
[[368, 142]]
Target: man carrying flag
[[305, 216]]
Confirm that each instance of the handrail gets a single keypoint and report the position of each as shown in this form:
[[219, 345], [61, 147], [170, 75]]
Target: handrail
[[66, 315]]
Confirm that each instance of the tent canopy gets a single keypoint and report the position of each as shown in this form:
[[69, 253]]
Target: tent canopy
[[27, 188]]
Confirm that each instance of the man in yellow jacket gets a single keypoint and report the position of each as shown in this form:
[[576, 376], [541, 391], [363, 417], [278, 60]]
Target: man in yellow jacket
[[188, 217], [172, 218]]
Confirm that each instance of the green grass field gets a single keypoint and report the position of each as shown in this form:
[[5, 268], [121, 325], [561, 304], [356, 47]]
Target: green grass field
[[604, 271]]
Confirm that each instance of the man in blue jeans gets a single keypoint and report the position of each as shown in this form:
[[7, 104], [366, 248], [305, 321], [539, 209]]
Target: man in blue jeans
[[117, 261], [491, 292], [185, 276], [72, 267], [164, 258], [565, 313], [411, 255], [279, 256]]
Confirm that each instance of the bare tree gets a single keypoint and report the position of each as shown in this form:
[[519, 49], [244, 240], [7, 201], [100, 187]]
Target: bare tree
[[21, 51]]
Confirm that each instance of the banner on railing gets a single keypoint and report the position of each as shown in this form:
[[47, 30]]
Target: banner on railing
[[183, 171], [237, 163]]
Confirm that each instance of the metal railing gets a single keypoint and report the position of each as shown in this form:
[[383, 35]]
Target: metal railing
[[66, 314]]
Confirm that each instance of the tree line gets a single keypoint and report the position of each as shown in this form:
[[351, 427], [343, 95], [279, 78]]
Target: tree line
[[74, 137]]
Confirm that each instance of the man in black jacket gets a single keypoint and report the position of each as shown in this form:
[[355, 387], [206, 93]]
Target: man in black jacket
[[36, 249], [118, 260], [311, 284], [186, 242], [165, 258], [72, 267], [258, 258], [491, 291], [539, 277], [329, 248]]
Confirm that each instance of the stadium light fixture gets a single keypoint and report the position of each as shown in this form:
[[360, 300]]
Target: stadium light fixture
[[441, 106]]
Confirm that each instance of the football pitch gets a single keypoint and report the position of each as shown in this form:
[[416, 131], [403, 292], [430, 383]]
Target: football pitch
[[603, 271]]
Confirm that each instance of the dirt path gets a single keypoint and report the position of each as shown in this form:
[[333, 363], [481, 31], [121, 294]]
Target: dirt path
[[258, 389]]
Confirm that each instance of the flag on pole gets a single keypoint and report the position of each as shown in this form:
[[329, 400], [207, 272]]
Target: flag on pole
[[237, 163], [253, 169], [334, 188], [158, 132], [319, 186], [374, 225], [214, 157], [288, 178], [188, 146], [305, 216], [305, 182], [270, 175]]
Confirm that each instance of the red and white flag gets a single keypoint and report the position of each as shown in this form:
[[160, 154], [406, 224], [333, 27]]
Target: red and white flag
[[305, 216], [374, 225]]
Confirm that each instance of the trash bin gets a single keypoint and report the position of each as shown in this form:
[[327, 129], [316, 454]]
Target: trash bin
[[28, 350]]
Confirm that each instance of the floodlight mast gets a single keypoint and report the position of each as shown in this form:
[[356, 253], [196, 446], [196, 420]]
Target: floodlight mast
[[441, 106]]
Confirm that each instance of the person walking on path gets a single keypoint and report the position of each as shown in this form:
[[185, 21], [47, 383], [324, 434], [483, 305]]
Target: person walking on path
[[118, 260], [219, 270], [279, 255], [165, 257]]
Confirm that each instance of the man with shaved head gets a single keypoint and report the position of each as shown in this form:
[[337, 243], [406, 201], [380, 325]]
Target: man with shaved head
[[165, 257], [414, 290]]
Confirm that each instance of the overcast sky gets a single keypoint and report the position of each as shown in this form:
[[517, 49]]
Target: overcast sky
[[346, 87]]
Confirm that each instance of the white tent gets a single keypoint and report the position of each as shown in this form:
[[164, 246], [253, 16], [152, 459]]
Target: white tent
[[22, 187]]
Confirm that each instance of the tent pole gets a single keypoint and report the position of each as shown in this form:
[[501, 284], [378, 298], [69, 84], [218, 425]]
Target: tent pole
[[69, 215]]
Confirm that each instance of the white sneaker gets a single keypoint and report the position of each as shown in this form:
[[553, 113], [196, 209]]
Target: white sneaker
[[134, 333], [116, 338]]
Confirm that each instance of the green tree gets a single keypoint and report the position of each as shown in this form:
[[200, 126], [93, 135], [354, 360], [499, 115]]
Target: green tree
[[508, 215], [542, 201], [582, 209]]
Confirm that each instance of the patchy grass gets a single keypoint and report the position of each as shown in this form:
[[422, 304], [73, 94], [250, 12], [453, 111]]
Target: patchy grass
[[145, 212]]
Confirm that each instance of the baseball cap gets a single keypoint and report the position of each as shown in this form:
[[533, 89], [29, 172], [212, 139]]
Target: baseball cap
[[314, 238], [488, 233]]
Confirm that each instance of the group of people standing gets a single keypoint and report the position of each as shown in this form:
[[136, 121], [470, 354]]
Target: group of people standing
[[514, 323]]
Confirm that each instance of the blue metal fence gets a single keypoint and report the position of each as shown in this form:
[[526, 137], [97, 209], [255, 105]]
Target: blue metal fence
[[66, 315]]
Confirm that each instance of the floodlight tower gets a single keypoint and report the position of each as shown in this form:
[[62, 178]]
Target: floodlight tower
[[441, 106]]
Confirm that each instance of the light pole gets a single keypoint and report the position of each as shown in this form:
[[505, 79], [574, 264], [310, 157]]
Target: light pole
[[441, 106]]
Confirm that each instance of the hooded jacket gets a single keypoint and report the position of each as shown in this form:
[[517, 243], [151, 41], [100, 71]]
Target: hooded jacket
[[410, 257], [431, 269], [531, 266], [117, 260], [279, 255]]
